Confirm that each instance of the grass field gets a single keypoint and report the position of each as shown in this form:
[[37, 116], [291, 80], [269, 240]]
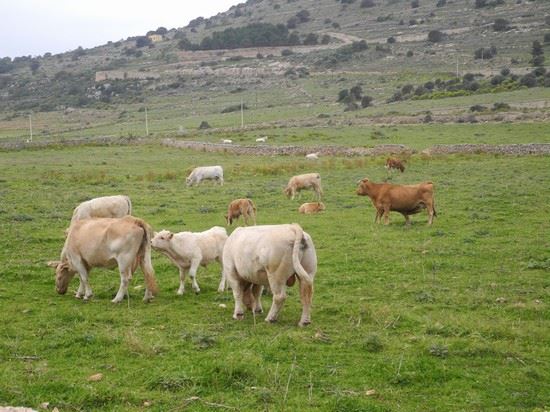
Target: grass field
[[453, 317]]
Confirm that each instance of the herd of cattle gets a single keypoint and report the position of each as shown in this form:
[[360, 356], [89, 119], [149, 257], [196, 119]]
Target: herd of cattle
[[103, 233]]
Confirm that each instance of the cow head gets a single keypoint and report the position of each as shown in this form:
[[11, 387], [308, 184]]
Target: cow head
[[161, 240], [188, 181], [363, 188], [320, 206], [287, 191], [63, 275]]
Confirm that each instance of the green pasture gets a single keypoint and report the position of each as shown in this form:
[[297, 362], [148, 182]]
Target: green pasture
[[453, 317]]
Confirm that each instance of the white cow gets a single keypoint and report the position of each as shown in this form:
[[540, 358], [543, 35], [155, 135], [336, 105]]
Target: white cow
[[312, 156], [272, 255], [305, 181], [261, 139], [106, 206], [106, 242], [205, 173], [188, 250], [227, 141]]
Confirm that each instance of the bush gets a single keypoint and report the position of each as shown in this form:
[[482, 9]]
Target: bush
[[286, 52], [483, 53], [501, 106], [478, 108], [539, 71], [497, 79], [303, 16], [435, 36], [547, 37], [366, 101], [234, 108], [410, 53], [415, 4], [505, 71], [501, 25], [311, 39], [358, 46], [538, 61], [367, 3], [143, 41], [325, 39], [391, 40], [204, 125], [441, 3], [528, 80], [343, 94], [408, 88]]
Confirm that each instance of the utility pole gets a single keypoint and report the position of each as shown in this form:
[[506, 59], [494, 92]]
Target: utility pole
[[146, 123], [457, 66], [30, 127], [242, 114]]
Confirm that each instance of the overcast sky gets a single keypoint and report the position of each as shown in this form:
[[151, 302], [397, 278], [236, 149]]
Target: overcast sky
[[34, 27]]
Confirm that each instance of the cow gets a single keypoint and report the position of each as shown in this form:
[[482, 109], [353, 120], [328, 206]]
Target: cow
[[405, 199], [227, 141], [238, 207], [106, 242], [272, 256], [261, 139], [312, 156], [106, 206], [188, 250], [394, 163], [305, 181], [313, 207], [205, 173]]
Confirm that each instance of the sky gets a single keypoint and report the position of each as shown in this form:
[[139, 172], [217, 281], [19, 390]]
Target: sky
[[34, 27]]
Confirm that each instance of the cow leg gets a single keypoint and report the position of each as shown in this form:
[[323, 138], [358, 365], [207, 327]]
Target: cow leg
[[84, 289], [222, 285], [238, 287], [257, 295], [181, 289], [81, 289], [431, 213], [125, 276], [407, 220], [279, 296], [193, 274], [378, 216], [306, 294], [386, 215]]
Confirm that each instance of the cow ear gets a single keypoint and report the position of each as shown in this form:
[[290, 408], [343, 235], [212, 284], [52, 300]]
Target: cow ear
[[170, 236], [53, 263], [155, 234]]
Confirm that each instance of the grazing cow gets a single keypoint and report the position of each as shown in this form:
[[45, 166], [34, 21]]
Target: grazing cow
[[314, 207], [394, 163], [106, 206], [306, 181], [205, 173], [274, 256], [405, 199], [238, 207], [188, 250], [261, 139], [227, 141], [312, 156], [106, 242]]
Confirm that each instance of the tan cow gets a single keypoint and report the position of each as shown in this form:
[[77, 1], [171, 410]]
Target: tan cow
[[405, 199], [305, 181], [395, 163], [106, 242], [241, 207], [188, 251], [313, 207], [106, 206], [274, 256]]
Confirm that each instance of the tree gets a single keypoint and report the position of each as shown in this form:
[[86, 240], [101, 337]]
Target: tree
[[435, 36], [162, 31], [34, 65], [356, 92], [303, 16], [143, 41], [311, 39]]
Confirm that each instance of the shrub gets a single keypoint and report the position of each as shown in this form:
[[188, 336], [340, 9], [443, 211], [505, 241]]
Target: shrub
[[303, 16], [415, 4], [358, 46], [143, 41], [410, 53], [356, 92], [286, 52], [505, 71], [311, 39], [408, 88], [435, 36], [539, 71], [547, 37], [367, 3], [538, 61], [343, 94], [497, 79], [478, 108], [483, 53], [441, 3], [501, 25], [234, 108], [204, 125], [391, 40], [366, 101], [325, 39], [501, 106]]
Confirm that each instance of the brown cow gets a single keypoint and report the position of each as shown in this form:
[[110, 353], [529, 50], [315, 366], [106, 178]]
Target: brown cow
[[405, 199], [395, 163], [238, 207], [313, 207]]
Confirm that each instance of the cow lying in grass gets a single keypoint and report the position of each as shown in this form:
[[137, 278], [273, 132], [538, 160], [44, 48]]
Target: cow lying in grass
[[188, 251], [313, 207], [106, 242], [405, 199], [274, 256]]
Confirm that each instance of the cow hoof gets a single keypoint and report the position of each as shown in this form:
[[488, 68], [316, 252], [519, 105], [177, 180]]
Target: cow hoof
[[305, 323], [270, 320], [78, 296], [180, 293], [238, 316], [258, 310], [115, 300]]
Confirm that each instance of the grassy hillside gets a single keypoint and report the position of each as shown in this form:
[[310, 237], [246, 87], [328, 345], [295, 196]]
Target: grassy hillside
[[442, 318]]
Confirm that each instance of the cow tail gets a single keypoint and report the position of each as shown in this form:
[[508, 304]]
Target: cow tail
[[298, 268], [129, 205], [145, 257]]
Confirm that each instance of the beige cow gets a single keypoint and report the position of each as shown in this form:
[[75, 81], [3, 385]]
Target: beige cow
[[313, 207], [106, 206], [305, 181], [274, 256], [189, 250], [106, 242]]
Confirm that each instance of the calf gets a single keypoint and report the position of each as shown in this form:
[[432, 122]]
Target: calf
[[106, 206], [238, 207], [405, 199], [205, 173], [106, 242], [314, 207], [394, 163], [274, 256], [312, 156], [188, 250], [305, 181], [261, 139]]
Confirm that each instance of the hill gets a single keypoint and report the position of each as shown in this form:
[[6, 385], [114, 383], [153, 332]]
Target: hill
[[306, 53]]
